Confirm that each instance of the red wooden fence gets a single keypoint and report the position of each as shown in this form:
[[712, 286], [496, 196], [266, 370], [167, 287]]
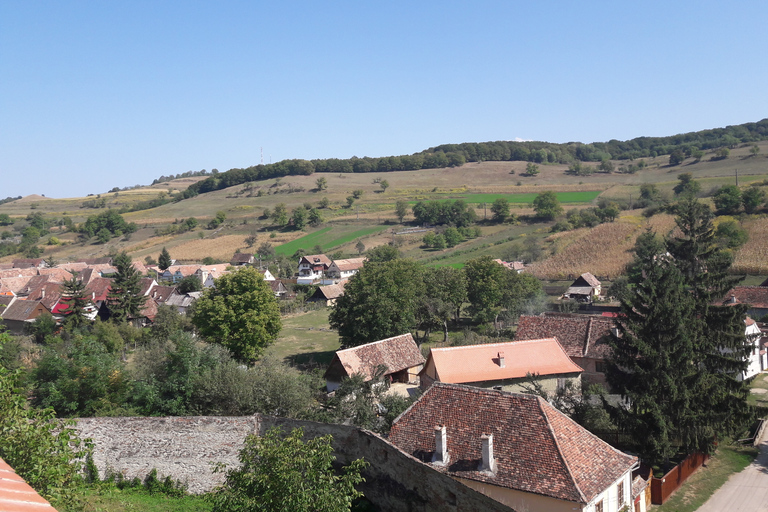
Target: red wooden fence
[[662, 487]]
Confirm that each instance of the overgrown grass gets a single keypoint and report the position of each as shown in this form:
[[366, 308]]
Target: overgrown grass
[[758, 390], [306, 338], [564, 197], [704, 482], [100, 498]]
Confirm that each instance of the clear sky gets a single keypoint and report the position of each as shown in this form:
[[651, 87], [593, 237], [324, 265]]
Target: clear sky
[[95, 94]]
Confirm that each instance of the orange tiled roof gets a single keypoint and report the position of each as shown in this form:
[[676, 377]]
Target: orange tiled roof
[[16, 495], [350, 264], [480, 363], [537, 449]]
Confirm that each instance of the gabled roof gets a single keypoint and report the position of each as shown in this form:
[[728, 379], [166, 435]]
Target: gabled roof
[[182, 300], [589, 279], [537, 449], [481, 363], [755, 296], [18, 272], [32, 284], [107, 260], [241, 257], [331, 291], [184, 270], [580, 335], [19, 310], [16, 495], [27, 263], [396, 353], [350, 264], [99, 288], [147, 284], [56, 274], [316, 259], [161, 293], [47, 293]]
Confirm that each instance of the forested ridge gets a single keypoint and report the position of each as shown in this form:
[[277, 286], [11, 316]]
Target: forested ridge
[[453, 155]]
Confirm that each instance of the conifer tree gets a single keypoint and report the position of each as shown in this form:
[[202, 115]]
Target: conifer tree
[[125, 299], [678, 352], [76, 300], [164, 261]]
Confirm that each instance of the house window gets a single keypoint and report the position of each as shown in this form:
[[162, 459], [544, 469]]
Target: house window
[[561, 384], [599, 506], [620, 491], [599, 366]]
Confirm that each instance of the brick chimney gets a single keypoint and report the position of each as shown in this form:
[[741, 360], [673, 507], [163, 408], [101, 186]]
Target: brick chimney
[[441, 456], [501, 360], [488, 463]]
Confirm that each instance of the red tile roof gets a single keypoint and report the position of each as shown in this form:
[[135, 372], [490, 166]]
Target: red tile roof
[[755, 296], [481, 363], [396, 353], [580, 335], [16, 495], [537, 449]]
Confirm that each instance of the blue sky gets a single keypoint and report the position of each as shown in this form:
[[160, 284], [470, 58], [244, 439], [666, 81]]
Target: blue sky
[[95, 95]]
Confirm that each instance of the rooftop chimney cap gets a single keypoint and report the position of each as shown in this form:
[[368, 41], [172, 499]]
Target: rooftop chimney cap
[[501, 360]]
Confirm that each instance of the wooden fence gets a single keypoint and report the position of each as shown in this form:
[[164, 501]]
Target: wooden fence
[[661, 488]]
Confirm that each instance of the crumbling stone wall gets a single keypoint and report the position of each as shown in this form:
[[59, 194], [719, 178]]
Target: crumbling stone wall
[[186, 448]]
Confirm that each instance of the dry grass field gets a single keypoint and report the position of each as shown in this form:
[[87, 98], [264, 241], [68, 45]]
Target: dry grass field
[[243, 207]]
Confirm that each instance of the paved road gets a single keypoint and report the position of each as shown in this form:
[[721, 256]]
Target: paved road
[[746, 491]]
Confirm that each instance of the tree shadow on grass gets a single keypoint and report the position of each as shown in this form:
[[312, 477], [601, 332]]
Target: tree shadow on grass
[[310, 360]]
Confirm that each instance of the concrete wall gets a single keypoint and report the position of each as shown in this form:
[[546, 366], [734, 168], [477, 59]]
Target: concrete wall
[[185, 449]]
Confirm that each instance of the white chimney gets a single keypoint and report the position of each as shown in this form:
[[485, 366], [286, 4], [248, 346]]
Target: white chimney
[[488, 463], [501, 360], [441, 446]]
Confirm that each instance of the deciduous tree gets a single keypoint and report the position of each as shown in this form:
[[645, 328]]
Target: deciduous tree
[[240, 312], [280, 473], [547, 206]]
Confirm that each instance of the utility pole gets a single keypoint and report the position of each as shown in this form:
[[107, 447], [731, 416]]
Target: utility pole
[[737, 177]]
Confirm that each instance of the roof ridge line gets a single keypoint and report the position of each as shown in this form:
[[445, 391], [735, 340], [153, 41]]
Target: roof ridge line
[[516, 342], [373, 342]]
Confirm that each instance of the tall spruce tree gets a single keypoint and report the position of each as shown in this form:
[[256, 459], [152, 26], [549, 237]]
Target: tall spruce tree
[[124, 299], [678, 352], [164, 260], [76, 300]]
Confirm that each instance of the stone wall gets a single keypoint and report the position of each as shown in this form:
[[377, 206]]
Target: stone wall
[[187, 448]]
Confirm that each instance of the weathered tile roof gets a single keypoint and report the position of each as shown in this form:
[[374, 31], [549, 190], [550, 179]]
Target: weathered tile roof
[[18, 272], [16, 495], [350, 264], [481, 363], [161, 293], [20, 310], [537, 449], [511, 265], [27, 263], [755, 296], [48, 293], [396, 353], [331, 291], [55, 274], [316, 259], [99, 288], [580, 335], [241, 257], [590, 279]]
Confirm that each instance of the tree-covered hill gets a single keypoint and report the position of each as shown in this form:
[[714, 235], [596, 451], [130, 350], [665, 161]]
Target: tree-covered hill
[[453, 155]]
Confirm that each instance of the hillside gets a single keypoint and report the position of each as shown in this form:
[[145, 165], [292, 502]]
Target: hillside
[[372, 220]]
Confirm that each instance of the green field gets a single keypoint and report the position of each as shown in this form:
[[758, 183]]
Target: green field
[[325, 239], [564, 197]]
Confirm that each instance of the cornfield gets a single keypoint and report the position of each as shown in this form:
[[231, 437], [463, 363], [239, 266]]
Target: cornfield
[[603, 250], [752, 258], [221, 248]]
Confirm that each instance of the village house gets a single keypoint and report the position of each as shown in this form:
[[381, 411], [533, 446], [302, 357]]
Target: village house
[[312, 268], [583, 337], [20, 313], [757, 361], [241, 259], [329, 293], [516, 449], [755, 296], [585, 288], [343, 269], [399, 356], [504, 366], [182, 301]]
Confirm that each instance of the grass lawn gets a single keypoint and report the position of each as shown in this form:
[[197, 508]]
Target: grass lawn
[[327, 238], [306, 338], [704, 482], [758, 390], [111, 499], [564, 197]]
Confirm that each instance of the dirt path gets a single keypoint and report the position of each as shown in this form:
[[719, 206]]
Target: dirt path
[[746, 491]]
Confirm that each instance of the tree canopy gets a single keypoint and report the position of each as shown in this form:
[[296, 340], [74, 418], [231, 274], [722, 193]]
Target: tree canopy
[[240, 312], [125, 300], [288, 474]]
